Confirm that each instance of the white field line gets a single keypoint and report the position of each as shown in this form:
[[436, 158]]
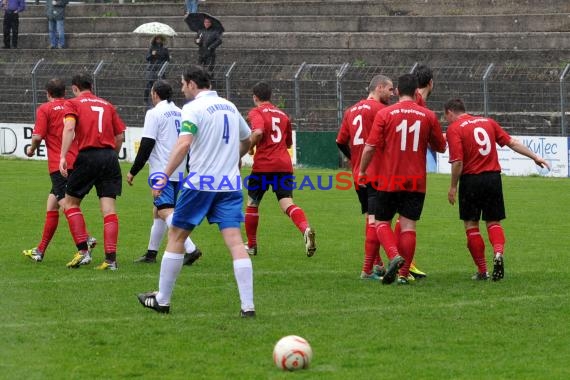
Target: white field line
[[142, 314]]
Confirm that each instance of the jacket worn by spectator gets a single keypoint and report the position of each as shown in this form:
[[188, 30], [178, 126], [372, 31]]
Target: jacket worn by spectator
[[208, 40], [55, 9], [156, 56]]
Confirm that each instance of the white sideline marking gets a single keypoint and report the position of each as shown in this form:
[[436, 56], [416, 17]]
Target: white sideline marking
[[142, 314]]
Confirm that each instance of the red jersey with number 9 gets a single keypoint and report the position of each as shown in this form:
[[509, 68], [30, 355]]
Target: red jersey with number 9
[[354, 131], [472, 140], [271, 153], [401, 134], [96, 121]]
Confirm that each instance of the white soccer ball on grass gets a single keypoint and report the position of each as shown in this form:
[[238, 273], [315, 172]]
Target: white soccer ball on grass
[[292, 353]]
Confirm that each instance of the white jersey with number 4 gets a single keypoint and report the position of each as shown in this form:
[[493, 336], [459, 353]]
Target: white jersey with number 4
[[217, 128], [162, 124]]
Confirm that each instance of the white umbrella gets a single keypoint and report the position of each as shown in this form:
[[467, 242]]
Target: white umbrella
[[155, 28]]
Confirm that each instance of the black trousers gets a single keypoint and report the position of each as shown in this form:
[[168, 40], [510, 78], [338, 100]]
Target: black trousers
[[11, 23]]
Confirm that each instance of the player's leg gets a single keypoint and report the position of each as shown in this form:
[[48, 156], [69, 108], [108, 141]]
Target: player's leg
[[410, 207], [256, 188], [386, 206], [50, 226], [284, 193], [228, 215], [157, 231], [470, 212], [493, 211], [372, 267]]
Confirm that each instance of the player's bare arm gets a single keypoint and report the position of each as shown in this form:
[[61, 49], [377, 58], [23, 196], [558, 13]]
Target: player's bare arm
[[119, 140], [518, 147], [245, 145], [66, 140], [36, 141], [367, 155], [456, 170]]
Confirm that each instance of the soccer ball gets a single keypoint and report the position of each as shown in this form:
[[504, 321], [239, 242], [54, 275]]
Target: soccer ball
[[291, 353]]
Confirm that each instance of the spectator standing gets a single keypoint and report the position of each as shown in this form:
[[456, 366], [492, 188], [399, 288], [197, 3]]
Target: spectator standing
[[216, 133], [475, 167], [49, 127], [55, 11], [272, 136], [156, 56], [99, 131], [208, 40], [12, 10], [191, 7]]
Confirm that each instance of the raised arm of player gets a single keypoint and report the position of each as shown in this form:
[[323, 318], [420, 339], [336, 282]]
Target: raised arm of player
[[518, 147]]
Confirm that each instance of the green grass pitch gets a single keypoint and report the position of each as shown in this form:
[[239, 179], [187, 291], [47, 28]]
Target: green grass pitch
[[59, 323]]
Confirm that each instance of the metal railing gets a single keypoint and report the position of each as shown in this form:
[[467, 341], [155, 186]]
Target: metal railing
[[524, 100]]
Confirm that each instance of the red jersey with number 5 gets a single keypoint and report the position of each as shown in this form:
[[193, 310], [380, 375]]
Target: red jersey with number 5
[[96, 121], [354, 131], [271, 153], [49, 126], [401, 134], [472, 140]]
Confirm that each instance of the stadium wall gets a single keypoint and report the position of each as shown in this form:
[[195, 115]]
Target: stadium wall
[[321, 151]]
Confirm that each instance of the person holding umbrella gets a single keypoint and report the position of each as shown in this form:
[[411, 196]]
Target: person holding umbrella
[[208, 39], [157, 55]]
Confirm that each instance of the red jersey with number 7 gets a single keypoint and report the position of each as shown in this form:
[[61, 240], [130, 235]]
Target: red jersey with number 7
[[401, 134], [271, 153], [473, 140], [354, 131], [96, 121]]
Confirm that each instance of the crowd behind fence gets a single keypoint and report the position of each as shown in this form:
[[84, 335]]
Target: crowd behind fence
[[525, 100]]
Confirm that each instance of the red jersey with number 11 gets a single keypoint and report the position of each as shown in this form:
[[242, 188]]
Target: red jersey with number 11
[[401, 134], [271, 153], [96, 121], [472, 140]]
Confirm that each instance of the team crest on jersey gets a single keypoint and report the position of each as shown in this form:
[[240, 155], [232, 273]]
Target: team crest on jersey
[[189, 127]]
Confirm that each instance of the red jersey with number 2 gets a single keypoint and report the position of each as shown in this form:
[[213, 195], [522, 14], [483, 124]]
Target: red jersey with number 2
[[271, 153], [354, 131], [472, 140], [401, 134], [96, 121]]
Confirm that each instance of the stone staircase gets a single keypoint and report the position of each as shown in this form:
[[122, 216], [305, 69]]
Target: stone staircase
[[363, 33]]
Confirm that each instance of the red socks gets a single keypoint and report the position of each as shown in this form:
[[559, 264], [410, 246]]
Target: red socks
[[496, 237], [77, 227], [371, 249], [298, 217], [476, 247], [50, 226], [251, 223], [387, 239], [110, 233], [407, 248]]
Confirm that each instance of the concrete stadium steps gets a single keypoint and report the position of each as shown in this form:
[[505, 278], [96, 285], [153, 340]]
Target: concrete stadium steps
[[318, 8], [332, 40], [362, 57], [320, 24]]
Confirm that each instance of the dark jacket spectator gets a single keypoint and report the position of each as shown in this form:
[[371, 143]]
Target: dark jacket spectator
[[208, 40], [156, 57]]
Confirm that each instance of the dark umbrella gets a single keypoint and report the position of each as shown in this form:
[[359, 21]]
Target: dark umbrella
[[195, 21]]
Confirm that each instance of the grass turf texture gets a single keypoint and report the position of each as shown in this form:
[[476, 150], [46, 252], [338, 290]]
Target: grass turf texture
[[84, 324]]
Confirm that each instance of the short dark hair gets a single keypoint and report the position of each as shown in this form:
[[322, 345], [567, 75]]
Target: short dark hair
[[55, 87], [454, 105], [163, 89], [377, 80], [198, 75], [424, 75], [407, 85], [262, 90], [83, 81]]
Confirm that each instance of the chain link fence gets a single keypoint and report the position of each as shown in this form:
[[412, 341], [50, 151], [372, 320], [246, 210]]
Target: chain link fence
[[525, 100]]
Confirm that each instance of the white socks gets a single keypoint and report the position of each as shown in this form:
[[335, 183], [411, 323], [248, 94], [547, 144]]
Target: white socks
[[156, 233], [189, 245], [169, 270], [243, 271]]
